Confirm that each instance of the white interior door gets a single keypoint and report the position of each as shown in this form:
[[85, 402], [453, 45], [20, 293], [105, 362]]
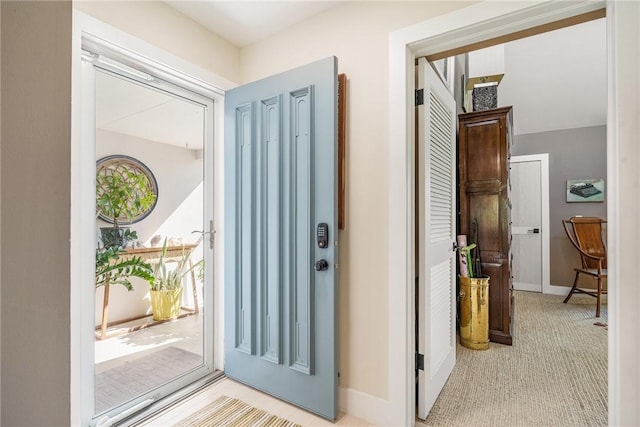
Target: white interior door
[[436, 232], [529, 216]]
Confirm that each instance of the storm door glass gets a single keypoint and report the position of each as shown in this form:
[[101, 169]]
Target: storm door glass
[[152, 292]]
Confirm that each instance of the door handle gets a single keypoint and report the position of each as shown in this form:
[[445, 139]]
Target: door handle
[[321, 265], [211, 233], [534, 231]]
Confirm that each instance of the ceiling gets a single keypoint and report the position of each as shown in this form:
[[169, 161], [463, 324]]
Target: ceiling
[[129, 108], [555, 80], [245, 22]]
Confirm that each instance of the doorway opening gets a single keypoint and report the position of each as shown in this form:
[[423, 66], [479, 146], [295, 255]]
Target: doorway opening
[[414, 52], [519, 240], [530, 222], [151, 297], [524, 190], [145, 122]]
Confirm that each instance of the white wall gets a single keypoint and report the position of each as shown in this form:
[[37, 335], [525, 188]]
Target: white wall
[[178, 172], [543, 68], [487, 62], [178, 211]]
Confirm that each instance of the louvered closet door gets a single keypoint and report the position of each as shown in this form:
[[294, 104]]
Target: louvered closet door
[[436, 224]]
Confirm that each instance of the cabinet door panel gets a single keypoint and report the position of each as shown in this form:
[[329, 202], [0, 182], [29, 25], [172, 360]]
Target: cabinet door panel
[[494, 271], [482, 162], [484, 191], [485, 208]]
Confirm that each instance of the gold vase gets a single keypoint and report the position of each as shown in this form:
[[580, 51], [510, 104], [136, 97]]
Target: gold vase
[[474, 312], [165, 305]]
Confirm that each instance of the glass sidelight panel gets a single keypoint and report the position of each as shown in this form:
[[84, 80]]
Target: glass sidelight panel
[[152, 296]]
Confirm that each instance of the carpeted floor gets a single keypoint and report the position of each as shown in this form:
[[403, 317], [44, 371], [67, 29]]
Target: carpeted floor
[[555, 374], [226, 411], [135, 377]]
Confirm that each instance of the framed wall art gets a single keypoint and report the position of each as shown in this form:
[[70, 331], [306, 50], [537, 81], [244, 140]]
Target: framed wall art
[[585, 190], [126, 190]]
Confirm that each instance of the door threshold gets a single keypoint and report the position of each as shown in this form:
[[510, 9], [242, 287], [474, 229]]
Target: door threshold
[[167, 403]]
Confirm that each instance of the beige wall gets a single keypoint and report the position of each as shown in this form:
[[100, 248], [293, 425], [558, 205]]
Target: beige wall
[[164, 27], [35, 175], [358, 34]]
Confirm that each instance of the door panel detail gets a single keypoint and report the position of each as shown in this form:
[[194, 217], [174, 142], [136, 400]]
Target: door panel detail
[[245, 170], [270, 228], [280, 182], [302, 220]]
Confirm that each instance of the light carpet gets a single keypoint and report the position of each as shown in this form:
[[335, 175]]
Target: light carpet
[[134, 377], [555, 374], [226, 411]]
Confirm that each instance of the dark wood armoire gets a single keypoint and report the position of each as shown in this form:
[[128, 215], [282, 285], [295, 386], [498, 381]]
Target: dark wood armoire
[[484, 151]]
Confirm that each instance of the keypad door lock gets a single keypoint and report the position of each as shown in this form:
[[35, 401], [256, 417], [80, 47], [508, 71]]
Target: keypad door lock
[[322, 234]]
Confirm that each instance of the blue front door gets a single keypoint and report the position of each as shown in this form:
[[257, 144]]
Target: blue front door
[[280, 200]]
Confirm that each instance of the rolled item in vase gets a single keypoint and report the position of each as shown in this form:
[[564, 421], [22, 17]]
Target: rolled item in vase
[[461, 241]]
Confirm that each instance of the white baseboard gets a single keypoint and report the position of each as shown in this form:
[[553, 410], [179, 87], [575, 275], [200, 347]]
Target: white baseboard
[[556, 290], [372, 409], [528, 287]]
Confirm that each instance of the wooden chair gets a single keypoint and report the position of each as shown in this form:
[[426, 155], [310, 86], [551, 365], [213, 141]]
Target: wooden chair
[[586, 235]]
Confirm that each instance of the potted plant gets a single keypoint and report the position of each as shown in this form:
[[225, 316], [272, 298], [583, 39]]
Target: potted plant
[[121, 196], [166, 283], [112, 270]]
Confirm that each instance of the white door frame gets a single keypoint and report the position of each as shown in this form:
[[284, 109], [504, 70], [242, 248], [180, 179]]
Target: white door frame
[[131, 50], [476, 23], [544, 222]]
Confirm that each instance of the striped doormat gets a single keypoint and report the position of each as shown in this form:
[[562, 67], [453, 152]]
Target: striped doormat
[[233, 412]]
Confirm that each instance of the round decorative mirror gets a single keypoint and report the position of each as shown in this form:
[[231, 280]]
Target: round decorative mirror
[[126, 190]]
